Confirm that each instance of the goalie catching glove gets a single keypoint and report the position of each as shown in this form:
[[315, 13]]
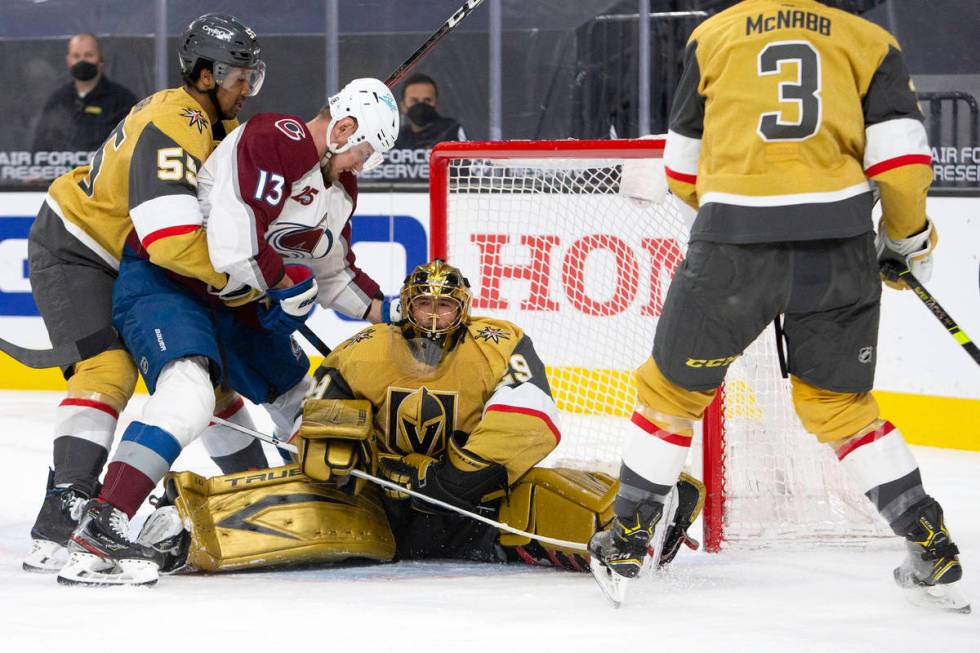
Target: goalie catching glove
[[914, 253], [460, 479]]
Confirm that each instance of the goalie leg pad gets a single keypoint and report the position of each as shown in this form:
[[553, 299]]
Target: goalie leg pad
[[690, 501], [561, 503], [275, 517]]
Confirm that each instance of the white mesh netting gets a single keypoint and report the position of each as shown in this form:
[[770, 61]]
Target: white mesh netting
[[553, 246]]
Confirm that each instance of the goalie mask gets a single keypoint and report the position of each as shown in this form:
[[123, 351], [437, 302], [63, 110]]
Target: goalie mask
[[435, 301]]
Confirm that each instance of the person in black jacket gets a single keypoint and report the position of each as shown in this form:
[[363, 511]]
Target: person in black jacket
[[80, 114], [424, 126]]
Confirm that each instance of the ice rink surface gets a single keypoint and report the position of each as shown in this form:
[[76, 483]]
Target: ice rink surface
[[817, 599]]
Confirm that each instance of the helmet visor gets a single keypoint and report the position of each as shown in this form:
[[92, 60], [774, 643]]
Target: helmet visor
[[232, 78]]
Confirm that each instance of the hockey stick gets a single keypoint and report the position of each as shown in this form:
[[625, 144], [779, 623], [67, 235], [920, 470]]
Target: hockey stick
[[62, 355], [273, 440], [314, 340], [430, 43], [894, 272]]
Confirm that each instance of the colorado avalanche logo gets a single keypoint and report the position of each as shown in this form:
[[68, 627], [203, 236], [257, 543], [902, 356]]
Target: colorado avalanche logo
[[293, 130], [301, 241]]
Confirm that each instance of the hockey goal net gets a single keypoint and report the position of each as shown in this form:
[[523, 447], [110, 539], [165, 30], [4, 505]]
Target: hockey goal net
[[553, 238]]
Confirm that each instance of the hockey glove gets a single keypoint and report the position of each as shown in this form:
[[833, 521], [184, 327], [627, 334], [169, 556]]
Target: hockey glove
[[235, 294], [408, 471], [391, 311], [441, 480], [289, 307], [914, 253], [334, 438]]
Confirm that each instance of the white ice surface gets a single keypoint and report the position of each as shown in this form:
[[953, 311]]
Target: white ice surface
[[828, 599]]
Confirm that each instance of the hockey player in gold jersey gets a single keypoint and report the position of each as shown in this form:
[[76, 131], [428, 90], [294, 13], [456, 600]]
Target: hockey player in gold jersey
[[786, 111], [454, 407], [140, 185]]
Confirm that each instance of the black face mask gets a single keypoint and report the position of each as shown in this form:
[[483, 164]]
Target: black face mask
[[422, 114], [83, 71]]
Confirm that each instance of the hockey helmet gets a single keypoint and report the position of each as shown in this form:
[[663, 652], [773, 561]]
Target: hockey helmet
[[231, 47], [371, 104], [436, 281]]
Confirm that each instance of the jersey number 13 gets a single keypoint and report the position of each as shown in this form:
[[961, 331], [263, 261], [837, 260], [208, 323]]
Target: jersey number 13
[[804, 92]]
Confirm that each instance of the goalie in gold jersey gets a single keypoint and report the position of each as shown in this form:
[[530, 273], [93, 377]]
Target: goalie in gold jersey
[[141, 185], [455, 407], [785, 112]]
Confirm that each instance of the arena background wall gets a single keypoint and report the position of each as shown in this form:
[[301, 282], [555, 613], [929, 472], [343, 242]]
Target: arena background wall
[[925, 381]]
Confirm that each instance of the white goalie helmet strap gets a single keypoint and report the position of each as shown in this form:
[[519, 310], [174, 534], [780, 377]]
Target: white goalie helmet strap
[[372, 104]]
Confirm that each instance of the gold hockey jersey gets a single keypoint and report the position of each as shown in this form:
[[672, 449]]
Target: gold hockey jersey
[[490, 394], [785, 110], [144, 177]]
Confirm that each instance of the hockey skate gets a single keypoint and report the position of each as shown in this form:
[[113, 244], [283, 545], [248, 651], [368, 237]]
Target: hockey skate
[[622, 551], [54, 525], [931, 571], [101, 552]]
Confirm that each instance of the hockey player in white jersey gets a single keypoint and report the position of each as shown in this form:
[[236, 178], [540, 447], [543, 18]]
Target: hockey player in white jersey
[[280, 189]]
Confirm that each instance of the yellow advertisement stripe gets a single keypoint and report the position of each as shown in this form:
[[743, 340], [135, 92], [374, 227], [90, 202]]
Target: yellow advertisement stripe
[[946, 422]]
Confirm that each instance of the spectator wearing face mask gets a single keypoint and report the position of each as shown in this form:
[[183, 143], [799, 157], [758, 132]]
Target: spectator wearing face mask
[[424, 126], [80, 114]]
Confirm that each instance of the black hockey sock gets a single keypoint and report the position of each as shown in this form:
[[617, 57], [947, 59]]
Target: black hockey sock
[[251, 457], [898, 499], [78, 462], [636, 492]]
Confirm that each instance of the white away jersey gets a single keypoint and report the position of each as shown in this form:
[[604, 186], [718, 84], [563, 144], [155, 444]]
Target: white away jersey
[[266, 200]]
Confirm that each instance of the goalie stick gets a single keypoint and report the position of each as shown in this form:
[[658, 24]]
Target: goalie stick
[[273, 440], [894, 272]]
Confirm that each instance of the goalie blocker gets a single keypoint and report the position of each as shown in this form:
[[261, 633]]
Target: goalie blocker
[[308, 513]]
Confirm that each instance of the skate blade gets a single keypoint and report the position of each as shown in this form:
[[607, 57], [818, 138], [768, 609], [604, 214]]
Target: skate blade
[[612, 584], [946, 598], [46, 557], [89, 570]]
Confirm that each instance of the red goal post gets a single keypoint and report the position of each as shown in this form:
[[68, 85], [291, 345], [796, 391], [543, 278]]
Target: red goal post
[[551, 241]]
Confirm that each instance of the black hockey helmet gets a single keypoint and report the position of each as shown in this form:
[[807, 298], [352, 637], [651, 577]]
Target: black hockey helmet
[[225, 42]]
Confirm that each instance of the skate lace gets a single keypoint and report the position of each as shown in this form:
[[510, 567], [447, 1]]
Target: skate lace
[[76, 505], [119, 524]]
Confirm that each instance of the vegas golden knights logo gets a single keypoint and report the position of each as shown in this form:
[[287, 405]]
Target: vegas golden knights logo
[[420, 421]]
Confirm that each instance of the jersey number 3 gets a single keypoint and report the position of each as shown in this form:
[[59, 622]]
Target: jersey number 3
[[804, 92]]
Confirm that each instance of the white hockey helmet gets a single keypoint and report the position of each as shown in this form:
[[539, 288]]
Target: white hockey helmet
[[372, 105]]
